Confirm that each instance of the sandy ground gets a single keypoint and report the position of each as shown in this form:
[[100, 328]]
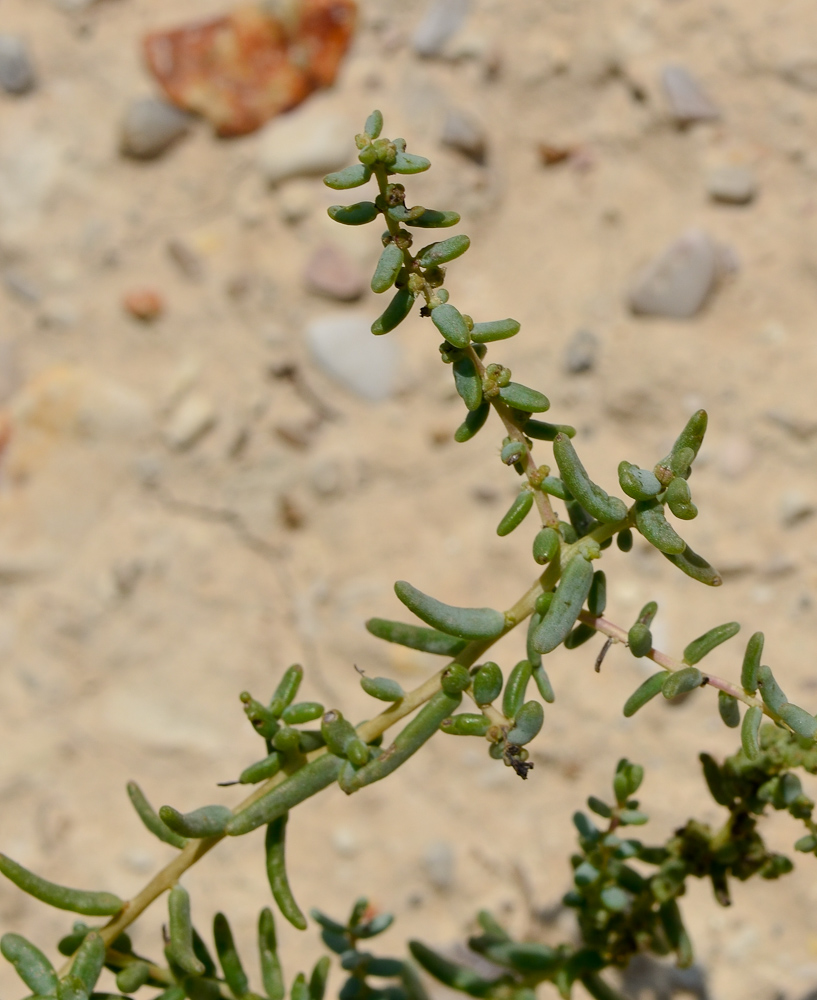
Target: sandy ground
[[142, 588]]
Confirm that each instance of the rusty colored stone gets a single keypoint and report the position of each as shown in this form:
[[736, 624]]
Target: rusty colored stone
[[144, 304], [241, 69]]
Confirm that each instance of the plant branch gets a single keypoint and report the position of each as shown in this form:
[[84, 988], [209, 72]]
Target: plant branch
[[669, 663]]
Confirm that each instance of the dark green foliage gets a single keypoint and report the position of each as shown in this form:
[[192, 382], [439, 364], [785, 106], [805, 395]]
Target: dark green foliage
[[592, 497], [394, 313], [428, 640], [464, 623], [449, 321], [567, 602], [388, 267], [92, 904], [275, 845], [354, 215], [704, 644], [487, 683], [516, 513], [751, 663], [474, 421]]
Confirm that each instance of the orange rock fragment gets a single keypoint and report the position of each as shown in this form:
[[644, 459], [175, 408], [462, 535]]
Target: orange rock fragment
[[550, 155], [241, 69], [144, 304]]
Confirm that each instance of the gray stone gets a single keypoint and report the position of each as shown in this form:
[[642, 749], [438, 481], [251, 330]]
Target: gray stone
[[296, 199], [73, 6], [464, 133], [581, 352], [677, 282], [17, 74], [733, 185], [688, 103], [344, 346], [439, 863], [800, 73], [331, 273], [151, 126], [21, 287], [186, 259], [663, 981], [308, 142], [794, 508], [10, 374], [735, 457], [801, 427], [442, 20]]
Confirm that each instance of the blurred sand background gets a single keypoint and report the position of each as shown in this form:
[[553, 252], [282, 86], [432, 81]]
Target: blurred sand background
[[150, 572]]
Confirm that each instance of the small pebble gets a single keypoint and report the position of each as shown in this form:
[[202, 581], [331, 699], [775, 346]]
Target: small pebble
[[10, 374], [801, 73], [779, 564], [21, 287], [345, 842], [802, 428], [688, 103], [678, 281], [151, 126], [644, 974], [794, 508], [331, 273], [345, 348], [732, 185], [186, 259], [194, 417], [439, 863], [139, 862], [17, 74], [73, 5], [581, 353], [296, 200], [144, 304], [59, 314], [550, 155], [735, 456], [303, 143], [442, 20], [465, 134]]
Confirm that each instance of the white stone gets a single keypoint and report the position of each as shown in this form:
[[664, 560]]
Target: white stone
[[733, 184], [191, 420], [677, 282], [344, 346], [442, 20], [30, 167], [345, 843], [439, 864], [309, 142]]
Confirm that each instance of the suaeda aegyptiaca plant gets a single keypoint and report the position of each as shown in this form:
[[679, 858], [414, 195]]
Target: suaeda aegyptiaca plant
[[621, 910]]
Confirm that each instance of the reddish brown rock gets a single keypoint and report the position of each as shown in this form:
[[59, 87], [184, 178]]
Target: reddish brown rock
[[144, 304], [240, 70], [330, 273]]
